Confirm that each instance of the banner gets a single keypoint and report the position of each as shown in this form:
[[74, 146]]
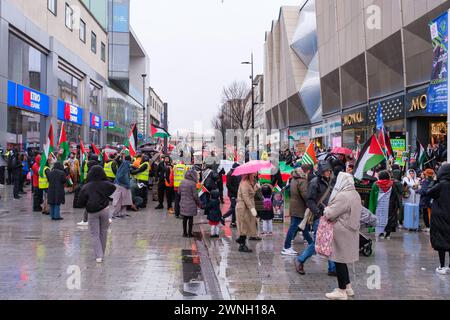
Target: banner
[[398, 142], [438, 90]]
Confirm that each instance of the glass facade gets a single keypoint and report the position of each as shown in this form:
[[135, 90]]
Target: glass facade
[[26, 66], [119, 40], [99, 9], [124, 111]]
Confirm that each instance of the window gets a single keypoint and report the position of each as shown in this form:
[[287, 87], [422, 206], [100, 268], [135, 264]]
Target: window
[[94, 98], [69, 17], [93, 42], [82, 31], [52, 5], [69, 87], [103, 52]]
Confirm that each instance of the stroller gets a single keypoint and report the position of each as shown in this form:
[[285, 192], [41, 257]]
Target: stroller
[[365, 244]]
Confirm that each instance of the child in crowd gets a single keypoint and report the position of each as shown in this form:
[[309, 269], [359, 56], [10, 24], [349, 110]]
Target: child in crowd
[[266, 212], [214, 214]]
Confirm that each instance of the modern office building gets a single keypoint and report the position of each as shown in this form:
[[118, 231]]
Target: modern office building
[[61, 62], [155, 108], [373, 52]]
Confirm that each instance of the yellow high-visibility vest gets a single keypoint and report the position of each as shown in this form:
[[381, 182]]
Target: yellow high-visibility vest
[[109, 171], [179, 171], [144, 175], [43, 181]]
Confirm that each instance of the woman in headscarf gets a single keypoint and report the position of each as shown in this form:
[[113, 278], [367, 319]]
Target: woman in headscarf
[[412, 183], [384, 203], [344, 210]]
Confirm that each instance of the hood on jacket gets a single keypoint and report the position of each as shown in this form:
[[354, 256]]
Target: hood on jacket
[[96, 174], [235, 165], [324, 166], [58, 166], [299, 174], [37, 159], [192, 175], [397, 174], [444, 172]]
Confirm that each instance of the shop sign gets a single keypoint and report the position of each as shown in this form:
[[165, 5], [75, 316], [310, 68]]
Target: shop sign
[[95, 121], [70, 112], [335, 127], [28, 99], [318, 131], [353, 118], [109, 124], [417, 105], [398, 143]]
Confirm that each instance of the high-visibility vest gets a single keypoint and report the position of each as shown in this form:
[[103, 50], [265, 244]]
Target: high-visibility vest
[[179, 171], [85, 170], [109, 171], [43, 181], [143, 176]]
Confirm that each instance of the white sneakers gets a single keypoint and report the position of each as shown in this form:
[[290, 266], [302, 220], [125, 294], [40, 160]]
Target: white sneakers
[[350, 292], [337, 295], [443, 271], [82, 224], [289, 252], [99, 260], [426, 230]]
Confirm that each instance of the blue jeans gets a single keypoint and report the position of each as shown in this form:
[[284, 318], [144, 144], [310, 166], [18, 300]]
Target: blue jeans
[[311, 249], [55, 211], [292, 232]]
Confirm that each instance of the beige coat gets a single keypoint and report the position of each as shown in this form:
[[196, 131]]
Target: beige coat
[[246, 222], [345, 210]]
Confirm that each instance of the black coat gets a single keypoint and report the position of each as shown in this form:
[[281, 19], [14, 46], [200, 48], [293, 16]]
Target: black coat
[[316, 189], [233, 183], [440, 212], [56, 181], [212, 210], [94, 196]]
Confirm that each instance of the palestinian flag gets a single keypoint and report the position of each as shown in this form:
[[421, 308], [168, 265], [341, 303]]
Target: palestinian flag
[[290, 136], [131, 142], [310, 155], [48, 149], [83, 160], [385, 143], [277, 189], [371, 155], [158, 132], [202, 191], [63, 144], [97, 152], [421, 155]]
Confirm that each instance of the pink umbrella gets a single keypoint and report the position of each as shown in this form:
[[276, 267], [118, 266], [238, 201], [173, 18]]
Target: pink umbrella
[[250, 167], [344, 151]]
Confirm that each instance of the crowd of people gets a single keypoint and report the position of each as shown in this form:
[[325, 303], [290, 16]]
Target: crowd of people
[[108, 186]]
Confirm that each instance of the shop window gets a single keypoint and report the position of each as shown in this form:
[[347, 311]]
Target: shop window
[[73, 131], [26, 65]]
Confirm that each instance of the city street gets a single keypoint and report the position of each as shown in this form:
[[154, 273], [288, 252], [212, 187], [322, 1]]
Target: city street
[[147, 258]]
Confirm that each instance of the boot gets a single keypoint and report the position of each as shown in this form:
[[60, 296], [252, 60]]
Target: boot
[[244, 248]]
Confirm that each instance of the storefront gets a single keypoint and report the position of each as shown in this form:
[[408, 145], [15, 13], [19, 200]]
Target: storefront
[[393, 110], [302, 138], [424, 123], [354, 127], [72, 116], [333, 132], [318, 135], [27, 110], [95, 126]]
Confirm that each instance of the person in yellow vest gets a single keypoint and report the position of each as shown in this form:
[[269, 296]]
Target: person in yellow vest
[[142, 174], [179, 173], [43, 187], [110, 168]]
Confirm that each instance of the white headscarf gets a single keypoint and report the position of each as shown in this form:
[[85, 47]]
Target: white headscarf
[[344, 182]]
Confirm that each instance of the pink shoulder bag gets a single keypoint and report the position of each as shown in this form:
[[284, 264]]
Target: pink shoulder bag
[[324, 237]]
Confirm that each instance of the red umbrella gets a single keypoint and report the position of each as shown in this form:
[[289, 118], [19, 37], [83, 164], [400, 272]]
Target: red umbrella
[[344, 151]]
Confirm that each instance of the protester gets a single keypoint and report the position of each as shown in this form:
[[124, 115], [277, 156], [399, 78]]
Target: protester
[[425, 200], [440, 217], [56, 194], [161, 177], [265, 212], [122, 197], [245, 211], [189, 201], [169, 187], [344, 211], [43, 186], [25, 171], [179, 173], [93, 161], [298, 195], [384, 203], [15, 168], [319, 190], [74, 168], [110, 168], [411, 184], [37, 193], [95, 196], [220, 184], [232, 187], [213, 213], [142, 174], [397, 177]]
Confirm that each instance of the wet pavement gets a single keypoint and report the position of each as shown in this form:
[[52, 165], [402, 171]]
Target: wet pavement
[[147, 258]]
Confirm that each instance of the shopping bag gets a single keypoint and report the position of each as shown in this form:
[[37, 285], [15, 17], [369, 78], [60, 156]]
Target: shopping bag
[[324, 237]]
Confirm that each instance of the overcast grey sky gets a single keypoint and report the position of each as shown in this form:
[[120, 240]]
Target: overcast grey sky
[[196, 48]]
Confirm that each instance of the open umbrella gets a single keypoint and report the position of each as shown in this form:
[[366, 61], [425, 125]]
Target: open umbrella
[[251, 167], [344, 151]]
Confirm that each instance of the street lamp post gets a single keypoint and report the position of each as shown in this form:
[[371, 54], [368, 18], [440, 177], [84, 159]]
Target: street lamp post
[[253, 107], [143, 106]]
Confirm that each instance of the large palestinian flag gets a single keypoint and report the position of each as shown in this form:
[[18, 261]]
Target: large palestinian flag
[[158, 132], [421, 155], [371, 155], [131, 143], [48, 149]]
